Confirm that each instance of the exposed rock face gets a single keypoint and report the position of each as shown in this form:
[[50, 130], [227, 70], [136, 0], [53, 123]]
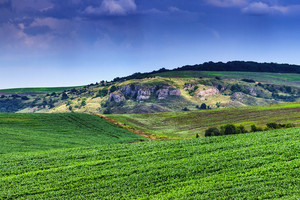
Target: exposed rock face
[[143, 94], [252, 91], [162, 93], [175, 92], [129, 91], [208, 92], [116, 97]]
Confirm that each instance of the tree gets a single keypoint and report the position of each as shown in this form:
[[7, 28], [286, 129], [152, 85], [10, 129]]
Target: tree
[[254, 128], [213, 131], [218, 104], [64, 96], [203, 106], [241, 129], [113, 89], [185, 109], [229, 129], [273, 125], [83, 103]]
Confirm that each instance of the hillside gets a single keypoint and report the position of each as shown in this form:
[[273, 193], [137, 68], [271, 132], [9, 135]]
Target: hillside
[[183, 125], [262, 165], [36, 132], [161, 91]]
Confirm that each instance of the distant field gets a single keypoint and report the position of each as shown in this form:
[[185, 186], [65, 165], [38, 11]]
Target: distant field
[[262, 165], [33, 132], [274, 78], [36, 90], [182, 125]]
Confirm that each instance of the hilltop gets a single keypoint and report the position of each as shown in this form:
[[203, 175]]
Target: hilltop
[[181, 89]]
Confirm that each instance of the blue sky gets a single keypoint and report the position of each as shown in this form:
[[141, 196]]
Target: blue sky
[[75, 42]]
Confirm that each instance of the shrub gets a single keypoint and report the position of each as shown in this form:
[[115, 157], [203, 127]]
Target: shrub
[[113, 89], [212, 132], [203, 106], [273, 125], [102, 93], [64, 96], [83, 103], [254, 128], [185, 109], [229, 129], [241, 129]]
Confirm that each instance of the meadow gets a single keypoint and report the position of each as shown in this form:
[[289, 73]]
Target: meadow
[[183, 125], [36, 90], [261, 165], [288, 79], [35, 132]]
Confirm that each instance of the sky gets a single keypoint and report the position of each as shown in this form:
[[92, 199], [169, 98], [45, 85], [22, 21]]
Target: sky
[[46, 43]]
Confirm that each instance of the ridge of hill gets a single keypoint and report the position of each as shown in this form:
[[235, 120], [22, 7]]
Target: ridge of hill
[[168, 90]]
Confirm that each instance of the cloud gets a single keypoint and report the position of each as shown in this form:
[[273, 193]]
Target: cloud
[[22, 5], [260, 8], [112, 7], [227, 3]]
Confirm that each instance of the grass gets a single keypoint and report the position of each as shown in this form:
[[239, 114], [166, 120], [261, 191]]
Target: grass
[[272, 78], [34, 132], [183, 125], [36, 90], [262, 165]]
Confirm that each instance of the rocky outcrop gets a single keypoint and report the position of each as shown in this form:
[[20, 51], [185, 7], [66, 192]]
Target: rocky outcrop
[[175, 92], [162, 94], [208, 92], [116, 97], [129, 90], [143, 94]]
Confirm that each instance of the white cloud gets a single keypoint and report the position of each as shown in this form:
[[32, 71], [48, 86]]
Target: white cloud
[[260, 8], [228, 3], [112, 7], [41, 5]]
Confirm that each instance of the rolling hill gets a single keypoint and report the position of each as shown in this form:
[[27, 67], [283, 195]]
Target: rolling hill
[[262, 165], [185, 88], [183, 125], [36, 132]]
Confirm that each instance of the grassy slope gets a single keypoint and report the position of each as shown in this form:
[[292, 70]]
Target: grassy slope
[[261, 165], [187, 124], [32, 132], [36, 90], [274, 78]]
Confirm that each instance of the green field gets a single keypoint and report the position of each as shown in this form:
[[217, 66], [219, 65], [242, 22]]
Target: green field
[[36, 90], [262, 165], [182, 125], [33, 132], [272, 78]]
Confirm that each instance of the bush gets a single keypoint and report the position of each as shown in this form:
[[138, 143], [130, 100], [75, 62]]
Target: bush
[[64, 96], [229, 129], [273, 125], [254, 128], [241, 129], [212, 132], [102, 93], [185, 109], [83, 103], [113, 89], [203, 106]]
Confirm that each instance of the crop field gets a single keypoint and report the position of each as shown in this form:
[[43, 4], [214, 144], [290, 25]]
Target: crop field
[[183, 125], [33, 132], [261, 165], [272, 78], [36, 90]]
